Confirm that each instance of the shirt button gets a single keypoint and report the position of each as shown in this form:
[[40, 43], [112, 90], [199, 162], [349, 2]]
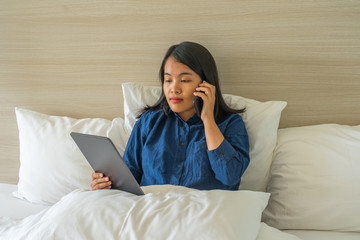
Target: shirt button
[[185, 125], [178, 166], [182, 144], [221, 155]]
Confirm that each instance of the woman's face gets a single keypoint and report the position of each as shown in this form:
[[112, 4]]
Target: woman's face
[[179, 85]]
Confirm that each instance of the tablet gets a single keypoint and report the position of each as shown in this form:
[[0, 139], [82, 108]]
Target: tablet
[[103, 157]]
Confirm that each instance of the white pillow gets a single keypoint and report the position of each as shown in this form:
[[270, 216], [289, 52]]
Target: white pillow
[[165, 212], [261, 121], [269, 233], [315, 179], [51, 165]]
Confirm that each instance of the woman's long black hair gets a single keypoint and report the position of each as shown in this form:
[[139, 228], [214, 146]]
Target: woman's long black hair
[[200, 60]]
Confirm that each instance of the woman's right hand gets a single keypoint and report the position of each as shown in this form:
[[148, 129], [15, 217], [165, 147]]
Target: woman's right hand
[[98, 181]]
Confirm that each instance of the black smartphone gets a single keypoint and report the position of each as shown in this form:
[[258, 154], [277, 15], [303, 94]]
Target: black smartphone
[[198, 104]]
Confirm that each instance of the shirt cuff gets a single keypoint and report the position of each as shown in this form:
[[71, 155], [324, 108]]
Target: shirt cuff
[[223, 152]]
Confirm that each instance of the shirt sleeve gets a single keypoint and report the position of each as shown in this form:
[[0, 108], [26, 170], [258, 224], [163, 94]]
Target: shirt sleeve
[[230, 160], [133, 150]]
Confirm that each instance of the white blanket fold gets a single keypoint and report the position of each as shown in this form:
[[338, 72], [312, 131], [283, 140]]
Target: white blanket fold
[[165, 212]]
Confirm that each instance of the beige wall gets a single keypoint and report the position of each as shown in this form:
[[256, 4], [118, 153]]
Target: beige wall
[[70, 57]]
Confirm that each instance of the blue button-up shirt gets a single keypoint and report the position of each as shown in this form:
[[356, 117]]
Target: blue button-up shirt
[[168, 150]]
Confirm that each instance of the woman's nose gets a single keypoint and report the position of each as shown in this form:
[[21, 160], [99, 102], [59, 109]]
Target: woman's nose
[[175, 88]]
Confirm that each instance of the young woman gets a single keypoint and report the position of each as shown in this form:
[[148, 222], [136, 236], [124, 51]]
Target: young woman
[[171, 144]]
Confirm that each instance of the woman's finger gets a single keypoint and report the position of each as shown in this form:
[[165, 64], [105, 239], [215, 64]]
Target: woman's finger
[[98, 184], [101, 180], [208, 90], [96, 175], [200, 94], [106, 185], [207, 85]]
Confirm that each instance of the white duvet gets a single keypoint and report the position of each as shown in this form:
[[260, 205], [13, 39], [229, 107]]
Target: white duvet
[[164, 212]]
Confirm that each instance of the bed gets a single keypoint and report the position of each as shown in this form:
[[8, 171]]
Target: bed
[[90, 66]]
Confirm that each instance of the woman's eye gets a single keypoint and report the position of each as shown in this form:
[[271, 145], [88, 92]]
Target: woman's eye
[[167, 80], [184, 80]]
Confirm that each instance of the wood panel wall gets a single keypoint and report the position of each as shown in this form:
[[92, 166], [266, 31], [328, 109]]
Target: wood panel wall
[[70, 57]]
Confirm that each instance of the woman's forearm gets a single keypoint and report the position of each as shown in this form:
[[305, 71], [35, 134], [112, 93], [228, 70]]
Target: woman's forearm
[[213, 135]]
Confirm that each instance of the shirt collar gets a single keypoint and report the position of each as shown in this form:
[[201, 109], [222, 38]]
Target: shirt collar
[[193, 120]]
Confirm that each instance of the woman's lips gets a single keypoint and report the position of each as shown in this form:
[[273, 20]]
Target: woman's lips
[[175, 100]]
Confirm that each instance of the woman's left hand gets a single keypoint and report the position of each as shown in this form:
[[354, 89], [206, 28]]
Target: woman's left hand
[[208, 97]]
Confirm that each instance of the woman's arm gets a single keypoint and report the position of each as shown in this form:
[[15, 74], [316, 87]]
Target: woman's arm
[[231, 158], [229, 152], [213, 135], [133, 151]]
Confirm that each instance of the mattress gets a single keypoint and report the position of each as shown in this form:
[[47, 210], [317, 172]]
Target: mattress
[[13, 207]]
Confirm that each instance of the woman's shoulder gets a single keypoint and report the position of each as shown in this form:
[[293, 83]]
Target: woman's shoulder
[[232, 117], [152, 114], [150, 117], [233, 123]]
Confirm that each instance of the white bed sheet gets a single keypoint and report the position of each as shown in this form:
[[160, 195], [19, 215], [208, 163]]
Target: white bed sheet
[[324, 235], [13, 207]]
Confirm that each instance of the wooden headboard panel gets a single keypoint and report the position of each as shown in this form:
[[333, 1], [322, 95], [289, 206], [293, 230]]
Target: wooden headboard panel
[[70, 57]]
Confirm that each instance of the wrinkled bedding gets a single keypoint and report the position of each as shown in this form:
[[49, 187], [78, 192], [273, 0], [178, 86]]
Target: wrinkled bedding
[[165, 212]]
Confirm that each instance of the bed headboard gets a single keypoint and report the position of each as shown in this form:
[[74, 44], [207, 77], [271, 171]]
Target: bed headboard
[[71, 57]]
